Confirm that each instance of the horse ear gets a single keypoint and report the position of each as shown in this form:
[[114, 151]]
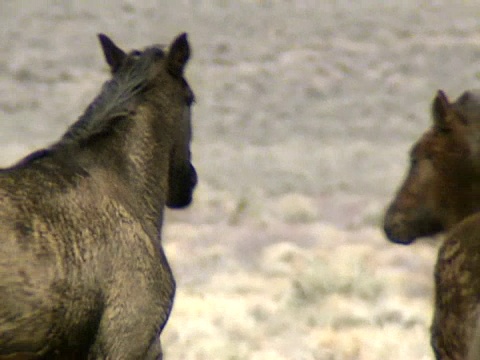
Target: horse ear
[[178, 55], [440, 108], [113, 54]]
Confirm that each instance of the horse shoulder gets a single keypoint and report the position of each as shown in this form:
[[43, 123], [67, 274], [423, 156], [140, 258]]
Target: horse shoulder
[[457, 287]]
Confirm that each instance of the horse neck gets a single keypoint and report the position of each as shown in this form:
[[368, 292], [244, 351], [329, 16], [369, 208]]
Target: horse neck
[[148, 155], [465, 202], [475, 181], [476, 196], [136, 159]]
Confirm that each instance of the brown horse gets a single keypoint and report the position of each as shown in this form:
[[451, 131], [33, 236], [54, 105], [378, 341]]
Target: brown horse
[[443, 184], [440, 193], [82, 270]]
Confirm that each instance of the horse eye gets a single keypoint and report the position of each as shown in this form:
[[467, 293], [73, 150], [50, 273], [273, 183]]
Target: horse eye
[[441, 131], [136, 53]]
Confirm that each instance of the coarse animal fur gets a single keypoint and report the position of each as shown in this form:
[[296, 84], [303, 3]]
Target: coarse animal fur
[[457, 293], [442, 186], [83, 274], [441, 193]]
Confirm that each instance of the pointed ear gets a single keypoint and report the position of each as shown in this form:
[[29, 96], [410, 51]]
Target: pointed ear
[[178, 55], [440, 109], [113, 54], [467, 107]]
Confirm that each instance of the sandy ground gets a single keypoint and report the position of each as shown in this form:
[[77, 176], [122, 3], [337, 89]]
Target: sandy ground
[[305, 113]]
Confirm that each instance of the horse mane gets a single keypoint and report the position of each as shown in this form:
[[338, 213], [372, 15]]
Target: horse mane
[[113, 103], [115, 98]]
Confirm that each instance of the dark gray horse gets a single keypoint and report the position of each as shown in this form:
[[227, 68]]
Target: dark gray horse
[[82, 269]]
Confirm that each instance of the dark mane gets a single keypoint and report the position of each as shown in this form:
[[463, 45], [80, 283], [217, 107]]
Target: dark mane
[[113, 102], [38, 154], [115, 98]]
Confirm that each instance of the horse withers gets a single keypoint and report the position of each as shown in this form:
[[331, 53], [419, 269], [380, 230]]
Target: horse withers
[[82, 270]]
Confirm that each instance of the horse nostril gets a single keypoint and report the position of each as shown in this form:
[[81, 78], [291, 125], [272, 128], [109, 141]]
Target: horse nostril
[[389, 232], [392, 227]]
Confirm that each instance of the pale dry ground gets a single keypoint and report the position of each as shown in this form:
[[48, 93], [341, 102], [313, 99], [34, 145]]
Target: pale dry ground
[[296, 289], [305, 113]]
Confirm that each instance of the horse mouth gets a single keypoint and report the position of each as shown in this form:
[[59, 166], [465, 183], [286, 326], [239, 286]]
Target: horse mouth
[[406, 234], [394, 235], [400, 240], [180, 204]]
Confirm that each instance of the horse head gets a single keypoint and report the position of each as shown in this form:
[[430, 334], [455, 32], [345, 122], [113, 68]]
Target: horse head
[[439, 189], [168, 89]]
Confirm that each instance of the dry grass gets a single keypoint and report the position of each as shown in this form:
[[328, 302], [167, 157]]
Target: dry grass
[[345, 295]]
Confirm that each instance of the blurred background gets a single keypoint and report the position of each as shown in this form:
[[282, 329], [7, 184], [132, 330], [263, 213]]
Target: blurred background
[[304, 116]]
